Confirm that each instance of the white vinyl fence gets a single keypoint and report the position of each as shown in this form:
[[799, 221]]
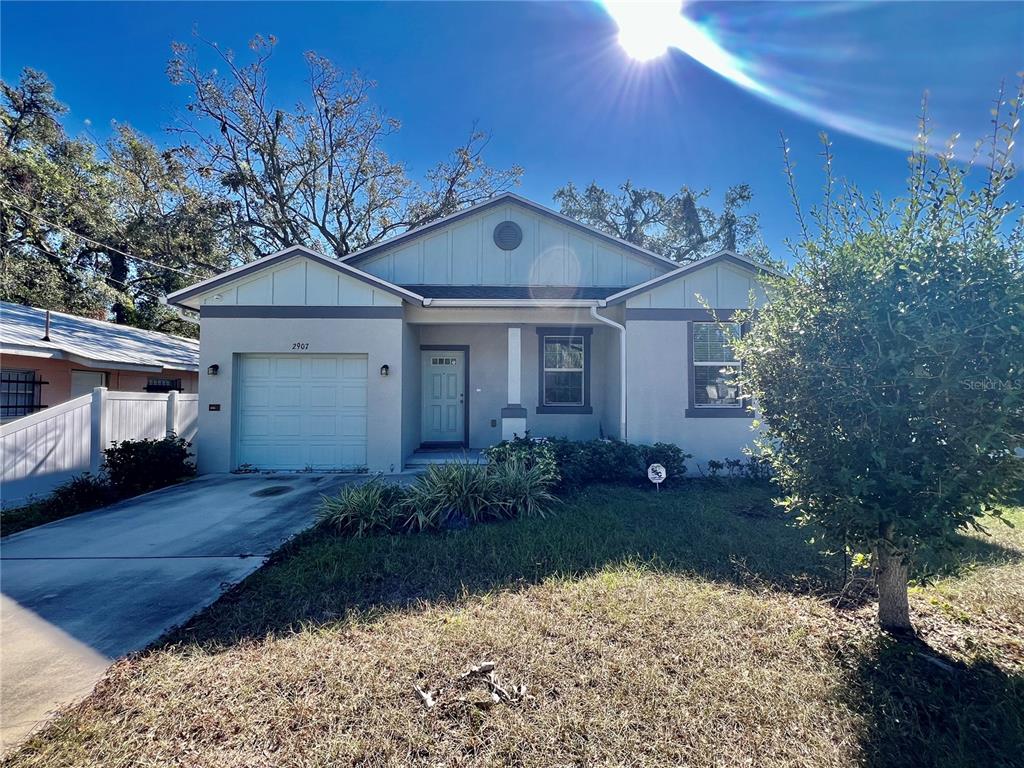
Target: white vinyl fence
[[43, 450]]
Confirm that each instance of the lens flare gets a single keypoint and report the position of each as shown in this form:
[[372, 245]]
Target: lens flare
[[848, 67]]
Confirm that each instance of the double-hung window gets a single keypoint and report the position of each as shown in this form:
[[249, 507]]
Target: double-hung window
[[564, 370], [715, 367]]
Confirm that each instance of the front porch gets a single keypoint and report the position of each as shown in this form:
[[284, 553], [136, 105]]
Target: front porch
[[471, 380], [424, 457]]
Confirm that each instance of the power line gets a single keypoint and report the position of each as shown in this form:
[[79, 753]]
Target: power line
[[161, 299], [102, 245]]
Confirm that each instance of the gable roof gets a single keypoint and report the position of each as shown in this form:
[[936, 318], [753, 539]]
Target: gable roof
[[179, 297], [94, 343], [727, 256], [494, 202]]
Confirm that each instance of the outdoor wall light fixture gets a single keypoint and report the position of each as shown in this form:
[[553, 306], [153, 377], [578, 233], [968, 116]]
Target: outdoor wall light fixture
[[213, 370], [385, 370]]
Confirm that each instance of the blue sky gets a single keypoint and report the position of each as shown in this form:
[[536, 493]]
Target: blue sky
[[557, 92]]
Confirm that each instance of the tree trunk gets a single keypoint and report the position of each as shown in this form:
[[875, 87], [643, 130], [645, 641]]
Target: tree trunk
[[891, 580]]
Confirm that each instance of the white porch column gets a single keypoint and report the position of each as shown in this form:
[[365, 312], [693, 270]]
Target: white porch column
[[513, 415]]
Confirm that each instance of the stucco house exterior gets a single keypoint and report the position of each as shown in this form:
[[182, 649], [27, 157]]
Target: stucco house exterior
[[47, 358], [501, 318]]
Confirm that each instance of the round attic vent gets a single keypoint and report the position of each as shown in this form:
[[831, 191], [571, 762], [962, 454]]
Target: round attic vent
[[508, 235]]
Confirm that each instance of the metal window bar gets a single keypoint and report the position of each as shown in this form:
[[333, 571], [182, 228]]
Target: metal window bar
[[163, 385], [21, 393]]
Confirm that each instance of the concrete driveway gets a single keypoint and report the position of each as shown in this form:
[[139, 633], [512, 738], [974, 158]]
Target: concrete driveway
[[78, 593]]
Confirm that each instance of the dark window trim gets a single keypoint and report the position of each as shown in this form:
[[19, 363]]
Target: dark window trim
[[465, 407], [714, 412], [586, 333]]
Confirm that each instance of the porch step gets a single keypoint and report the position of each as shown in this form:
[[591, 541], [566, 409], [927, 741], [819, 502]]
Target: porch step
[[424, 458]]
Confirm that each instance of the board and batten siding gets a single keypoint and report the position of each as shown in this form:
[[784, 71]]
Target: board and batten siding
[[301, 282], [719, 285], [551, 254]]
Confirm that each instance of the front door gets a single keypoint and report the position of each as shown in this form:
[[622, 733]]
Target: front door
[[444, 397]]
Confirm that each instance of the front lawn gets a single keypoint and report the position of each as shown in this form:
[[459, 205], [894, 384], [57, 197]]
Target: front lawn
[[691, 627]]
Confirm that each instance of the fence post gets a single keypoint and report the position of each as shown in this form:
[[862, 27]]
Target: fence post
[[98, 435], [172, 413]]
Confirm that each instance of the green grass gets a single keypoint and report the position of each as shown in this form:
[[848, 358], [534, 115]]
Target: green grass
[[689, 627]]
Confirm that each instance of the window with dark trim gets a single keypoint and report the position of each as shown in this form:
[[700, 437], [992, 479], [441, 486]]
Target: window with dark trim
[[714, 368], [154, 384], [21, 393], [564, 370]]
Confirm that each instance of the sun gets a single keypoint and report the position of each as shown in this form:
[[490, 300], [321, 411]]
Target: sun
[[646, 29]]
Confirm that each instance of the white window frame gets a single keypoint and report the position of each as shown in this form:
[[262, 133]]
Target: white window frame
[[581, 370], [737, 330]]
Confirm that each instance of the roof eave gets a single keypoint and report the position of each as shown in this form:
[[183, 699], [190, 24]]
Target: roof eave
[[181, 298], [388, 245], [693, 266]]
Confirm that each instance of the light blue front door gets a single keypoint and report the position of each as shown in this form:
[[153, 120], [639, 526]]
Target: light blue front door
[[444, 396]]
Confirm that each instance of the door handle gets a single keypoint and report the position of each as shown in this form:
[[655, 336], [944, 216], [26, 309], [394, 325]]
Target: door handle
[[462, 397]]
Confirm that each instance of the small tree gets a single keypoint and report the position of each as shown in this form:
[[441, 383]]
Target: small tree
[[888, 366]]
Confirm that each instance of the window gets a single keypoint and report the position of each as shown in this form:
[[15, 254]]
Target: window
[[564, 367], [21, 393], [715, 366], [162, 385]]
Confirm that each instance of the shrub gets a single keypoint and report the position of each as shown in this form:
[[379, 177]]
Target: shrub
[[361, 510], [446, 492], [139, 466], [670, 456], [79, 494], [529, 453], [577, 464], [887, 366], [524, 491]]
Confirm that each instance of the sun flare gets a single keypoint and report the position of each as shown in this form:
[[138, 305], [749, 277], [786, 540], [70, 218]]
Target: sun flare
[[646, 29]]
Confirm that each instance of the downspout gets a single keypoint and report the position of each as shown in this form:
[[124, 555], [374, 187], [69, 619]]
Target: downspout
[[622, 366]]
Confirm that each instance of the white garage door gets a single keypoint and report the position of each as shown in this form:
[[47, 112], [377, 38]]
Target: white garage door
[[301, 412]]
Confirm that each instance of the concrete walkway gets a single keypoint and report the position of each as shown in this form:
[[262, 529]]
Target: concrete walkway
[[78, 593]]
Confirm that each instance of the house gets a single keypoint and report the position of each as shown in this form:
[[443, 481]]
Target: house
[[499, 319], [50, 357]]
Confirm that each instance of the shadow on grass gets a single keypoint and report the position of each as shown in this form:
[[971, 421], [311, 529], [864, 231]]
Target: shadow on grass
[[920, 708], [725, 531]]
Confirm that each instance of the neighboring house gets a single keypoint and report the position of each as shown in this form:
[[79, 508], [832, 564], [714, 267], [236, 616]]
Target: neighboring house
[[502, 318], [45, 361]]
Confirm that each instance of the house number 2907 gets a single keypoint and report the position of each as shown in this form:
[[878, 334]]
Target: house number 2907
[[300, 345]]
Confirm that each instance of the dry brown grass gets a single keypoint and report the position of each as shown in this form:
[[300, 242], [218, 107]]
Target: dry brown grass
[[628, 663]]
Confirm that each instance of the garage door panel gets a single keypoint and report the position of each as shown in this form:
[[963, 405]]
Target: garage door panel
[[324, 396], [301, 411], [353, 455], [353, 368], [323, 427], [353, 426], [353, 397], [288, 367], [255, 396], [253, 367], [323, 368], [255, 425], [286, 396], [287, 425]]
